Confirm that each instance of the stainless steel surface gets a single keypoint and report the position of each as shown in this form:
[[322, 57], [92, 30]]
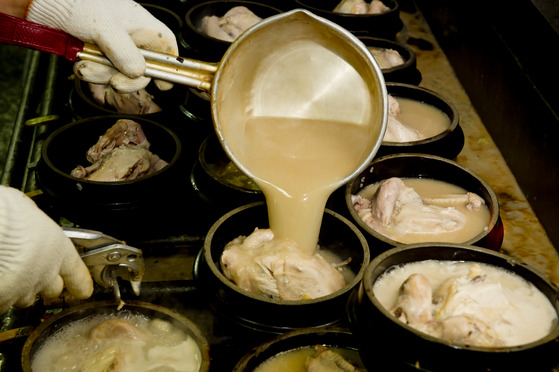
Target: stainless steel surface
[[178, 70], [298, 65]]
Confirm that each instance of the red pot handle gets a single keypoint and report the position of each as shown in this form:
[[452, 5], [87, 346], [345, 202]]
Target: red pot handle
[[16, 31]]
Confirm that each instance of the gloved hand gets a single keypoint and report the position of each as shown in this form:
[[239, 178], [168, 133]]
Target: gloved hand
[[118, 28], [36, 257]]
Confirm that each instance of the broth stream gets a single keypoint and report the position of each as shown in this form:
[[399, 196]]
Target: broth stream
[[298, 163]]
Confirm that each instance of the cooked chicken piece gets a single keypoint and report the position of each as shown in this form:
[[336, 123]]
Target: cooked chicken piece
[[110, 359], [115, 351], [352, 7], [470, 199], [361, 7], [126, 162], [402, 207], [276, 268], [114, 328], [471, 294], [377, 7], [123, 132], [414, 304], [122, 153], [386, 58], [326, 360], [227, 28], [396, 131], [140, 102], [467, 330]]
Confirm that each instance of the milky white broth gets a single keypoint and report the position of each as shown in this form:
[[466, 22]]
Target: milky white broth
[[529, 317], [428, 120], [477, 220]]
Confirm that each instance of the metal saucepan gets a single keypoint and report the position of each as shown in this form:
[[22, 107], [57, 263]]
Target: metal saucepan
[[294, 64]]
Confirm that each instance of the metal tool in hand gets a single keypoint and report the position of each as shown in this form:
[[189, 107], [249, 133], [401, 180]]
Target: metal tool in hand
[[108, 259], [16, 31]]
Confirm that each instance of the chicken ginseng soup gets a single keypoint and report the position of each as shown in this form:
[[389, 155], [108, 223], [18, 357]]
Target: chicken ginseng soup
[[297, 178], [415, 210], [125, 343], [466, 303]]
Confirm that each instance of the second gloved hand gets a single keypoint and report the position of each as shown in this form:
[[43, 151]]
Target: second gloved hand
[[36, 257], [118, 28]]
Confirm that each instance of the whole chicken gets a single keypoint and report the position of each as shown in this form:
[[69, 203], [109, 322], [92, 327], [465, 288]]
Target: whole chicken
[[126, 162], [121, 153], [447, 313], [278, 269]]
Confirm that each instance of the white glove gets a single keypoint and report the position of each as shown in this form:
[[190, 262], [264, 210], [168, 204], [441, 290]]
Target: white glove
[[118, 28], [36, 257]]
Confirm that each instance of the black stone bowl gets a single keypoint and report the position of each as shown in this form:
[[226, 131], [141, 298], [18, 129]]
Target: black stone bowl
[[52, 325], [432, 167], [415, 351], [211, 183], [447, 144], [207, 48], [109, 206], [343, 342], [265, 315], [385, 25], [404, 73]]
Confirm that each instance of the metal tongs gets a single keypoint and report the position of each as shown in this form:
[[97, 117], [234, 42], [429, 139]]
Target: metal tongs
[[185, 71], [108, 259]]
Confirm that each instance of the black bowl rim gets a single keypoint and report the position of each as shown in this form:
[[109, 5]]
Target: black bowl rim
[[46, 159], [192, 27], [394, 44], [368, 288], [218, 274], [300, 337], [197, 334], [495, 213], [454, 121], [396, 8]]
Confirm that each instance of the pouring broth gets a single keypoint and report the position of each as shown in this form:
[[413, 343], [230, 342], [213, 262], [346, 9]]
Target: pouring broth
[[298, 163]]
